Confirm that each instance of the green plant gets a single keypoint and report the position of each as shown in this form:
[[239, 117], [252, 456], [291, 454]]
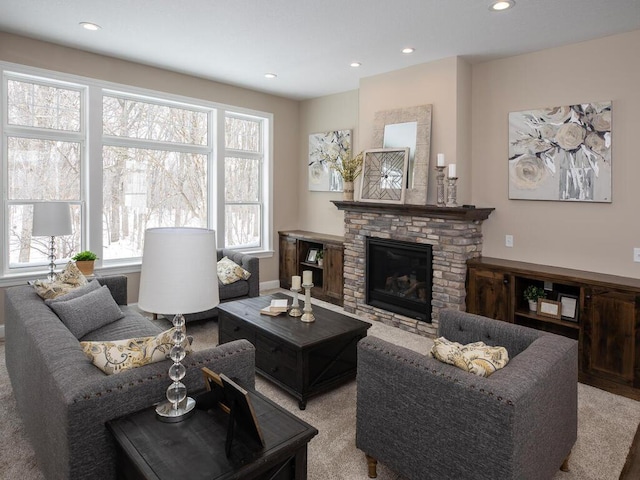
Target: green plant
[[320, 255], [347, 166], [533, 292], [85, 256]]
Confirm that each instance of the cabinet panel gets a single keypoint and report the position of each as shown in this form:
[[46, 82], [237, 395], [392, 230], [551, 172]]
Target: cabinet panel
[[288, 260], [333, 268], [488, 294], [610, 335]]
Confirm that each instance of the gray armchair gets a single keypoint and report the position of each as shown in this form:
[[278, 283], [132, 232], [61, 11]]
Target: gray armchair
[[428, 420]]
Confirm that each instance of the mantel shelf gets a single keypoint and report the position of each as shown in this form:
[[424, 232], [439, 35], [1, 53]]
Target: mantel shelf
[[431, 211]]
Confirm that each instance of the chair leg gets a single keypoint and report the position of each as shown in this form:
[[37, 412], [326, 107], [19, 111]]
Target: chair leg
[[372, 464], [565, 465]]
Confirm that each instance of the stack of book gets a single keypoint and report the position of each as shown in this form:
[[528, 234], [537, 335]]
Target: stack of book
[[276, 307]]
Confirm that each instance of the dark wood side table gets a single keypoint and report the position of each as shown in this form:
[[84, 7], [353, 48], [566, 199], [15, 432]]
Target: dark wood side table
[[305, 359], [195, 447]]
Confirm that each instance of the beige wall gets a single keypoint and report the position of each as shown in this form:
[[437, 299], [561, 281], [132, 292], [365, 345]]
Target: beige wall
[[34, 53], [334, 112], [595, 237]]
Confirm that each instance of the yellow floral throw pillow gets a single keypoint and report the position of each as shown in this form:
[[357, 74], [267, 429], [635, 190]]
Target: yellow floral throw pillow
[[477, 358], [120, 355], [229, 271], [71, 277]]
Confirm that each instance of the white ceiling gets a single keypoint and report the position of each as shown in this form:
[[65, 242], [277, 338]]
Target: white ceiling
[[309, 44]]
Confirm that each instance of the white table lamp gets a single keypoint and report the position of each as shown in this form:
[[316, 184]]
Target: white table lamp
[[178, 276], [51, 219]]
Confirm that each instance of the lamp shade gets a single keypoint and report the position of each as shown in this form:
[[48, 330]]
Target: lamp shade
[[51, 219], [179, 271]]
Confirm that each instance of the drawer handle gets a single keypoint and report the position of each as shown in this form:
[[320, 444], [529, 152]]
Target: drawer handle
[[236, 329], [274, 349], [274, 369]]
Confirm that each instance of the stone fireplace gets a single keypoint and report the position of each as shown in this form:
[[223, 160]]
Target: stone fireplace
[[454, 233]]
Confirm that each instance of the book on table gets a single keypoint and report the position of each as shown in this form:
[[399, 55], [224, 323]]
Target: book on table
[[276, 307]]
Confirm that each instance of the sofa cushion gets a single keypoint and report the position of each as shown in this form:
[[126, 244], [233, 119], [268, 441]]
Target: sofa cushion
[[67, 280], [88, 312], [132, 325], [116, 356], [75, 293], [477, 358], [230, 272]]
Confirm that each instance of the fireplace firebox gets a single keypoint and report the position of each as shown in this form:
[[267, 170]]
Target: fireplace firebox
[[399, 276]]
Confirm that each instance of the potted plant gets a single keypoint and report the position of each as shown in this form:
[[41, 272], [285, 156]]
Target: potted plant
[[349, 169], [532, 293], [320, 257], [84, 261]]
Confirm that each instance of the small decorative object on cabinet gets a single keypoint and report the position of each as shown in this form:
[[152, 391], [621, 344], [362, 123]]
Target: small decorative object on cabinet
[[327, 278], [532, 293], [601, 311]]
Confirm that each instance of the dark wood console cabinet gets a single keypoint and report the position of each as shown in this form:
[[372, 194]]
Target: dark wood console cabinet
[[607, 326], [327, 278]]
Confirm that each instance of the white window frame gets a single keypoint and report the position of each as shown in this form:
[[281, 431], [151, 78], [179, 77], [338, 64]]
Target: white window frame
[[91, 167]]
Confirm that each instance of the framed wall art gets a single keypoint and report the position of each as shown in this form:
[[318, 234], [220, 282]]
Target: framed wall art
[[384, 174], [324, 148], [561, 153], [549, 308]]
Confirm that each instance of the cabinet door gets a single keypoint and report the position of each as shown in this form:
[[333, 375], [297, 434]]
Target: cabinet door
[[333, 271], [288, 260], [488, 293], [612, 335]]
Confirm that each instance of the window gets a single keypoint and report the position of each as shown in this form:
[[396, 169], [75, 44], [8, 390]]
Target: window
[[44, 142], [126, 160]]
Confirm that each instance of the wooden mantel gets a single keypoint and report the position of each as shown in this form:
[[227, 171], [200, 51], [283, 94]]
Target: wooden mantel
[[432, 211]]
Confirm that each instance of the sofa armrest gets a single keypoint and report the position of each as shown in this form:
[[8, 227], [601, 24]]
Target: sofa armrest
[[250, 263], [117, 285]]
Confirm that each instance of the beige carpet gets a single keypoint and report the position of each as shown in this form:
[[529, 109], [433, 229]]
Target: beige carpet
[[606, 424]]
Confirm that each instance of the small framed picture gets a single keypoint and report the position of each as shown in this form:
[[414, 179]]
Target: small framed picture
[[569, 307], [549, 308], [312, 255]]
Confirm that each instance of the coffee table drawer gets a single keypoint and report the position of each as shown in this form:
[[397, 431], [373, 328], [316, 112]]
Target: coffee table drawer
[[232, 329], [276, 360]]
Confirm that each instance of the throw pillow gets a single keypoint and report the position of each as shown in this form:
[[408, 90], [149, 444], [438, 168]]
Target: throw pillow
[[65, 281], [477, 358], [120, 355], [75, 293], [229, 271], [92, 310]]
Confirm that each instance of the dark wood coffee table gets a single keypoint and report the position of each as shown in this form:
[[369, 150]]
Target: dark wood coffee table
[[195, 448], [305, 359]]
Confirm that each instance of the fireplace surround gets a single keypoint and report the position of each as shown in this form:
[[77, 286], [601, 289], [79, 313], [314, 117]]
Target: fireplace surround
[[454, 234]]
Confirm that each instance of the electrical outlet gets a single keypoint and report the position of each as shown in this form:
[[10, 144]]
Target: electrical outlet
[[508, 240], [636, 254]]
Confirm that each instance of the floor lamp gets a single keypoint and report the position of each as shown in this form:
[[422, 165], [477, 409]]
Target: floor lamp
[[178, 276], [51, 219]]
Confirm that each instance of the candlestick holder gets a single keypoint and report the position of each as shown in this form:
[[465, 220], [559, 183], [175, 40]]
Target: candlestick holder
[[440, 185], [295, 305], [307, 317], [452, 192]]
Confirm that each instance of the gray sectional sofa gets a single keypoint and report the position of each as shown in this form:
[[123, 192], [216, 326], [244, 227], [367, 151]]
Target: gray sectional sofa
[[65, 401], [429, 420]]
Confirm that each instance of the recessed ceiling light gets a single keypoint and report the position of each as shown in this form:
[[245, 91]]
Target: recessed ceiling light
[[501, 5], [270, 75], [408, 50], [355, 64], [90, 26]]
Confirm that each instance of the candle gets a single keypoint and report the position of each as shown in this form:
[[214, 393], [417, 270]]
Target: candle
[[440, 160], [307, 277], [295, 282], [452, 170]]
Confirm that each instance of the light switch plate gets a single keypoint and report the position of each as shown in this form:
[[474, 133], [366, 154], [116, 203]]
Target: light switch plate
[[636, 254], [508, 240]]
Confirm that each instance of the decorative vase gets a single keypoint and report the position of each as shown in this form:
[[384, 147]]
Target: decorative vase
[[348, 191], [85, 267], [321, 260], [533, 305]]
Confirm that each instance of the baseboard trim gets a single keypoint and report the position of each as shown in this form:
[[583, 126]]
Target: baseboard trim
[[270, 285]]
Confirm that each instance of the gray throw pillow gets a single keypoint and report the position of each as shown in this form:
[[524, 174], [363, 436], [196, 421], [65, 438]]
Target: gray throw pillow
[[75, 293], [84, 314]]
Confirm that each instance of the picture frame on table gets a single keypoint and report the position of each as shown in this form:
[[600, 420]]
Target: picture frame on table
[[569, 307], [312, 255], [549, 308]]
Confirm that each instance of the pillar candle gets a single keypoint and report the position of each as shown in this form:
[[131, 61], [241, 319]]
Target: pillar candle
[[440, 160], [452, 170], [295, 282], [307, 277]]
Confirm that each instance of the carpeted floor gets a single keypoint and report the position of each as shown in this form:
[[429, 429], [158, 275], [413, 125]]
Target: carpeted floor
[[606, 424]]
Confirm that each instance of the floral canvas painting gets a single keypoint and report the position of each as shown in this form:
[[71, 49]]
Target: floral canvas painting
[[323, 149], [561, 153]]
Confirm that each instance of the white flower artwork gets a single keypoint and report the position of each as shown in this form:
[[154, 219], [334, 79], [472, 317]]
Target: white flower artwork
[[324, 148], [561, 153]]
